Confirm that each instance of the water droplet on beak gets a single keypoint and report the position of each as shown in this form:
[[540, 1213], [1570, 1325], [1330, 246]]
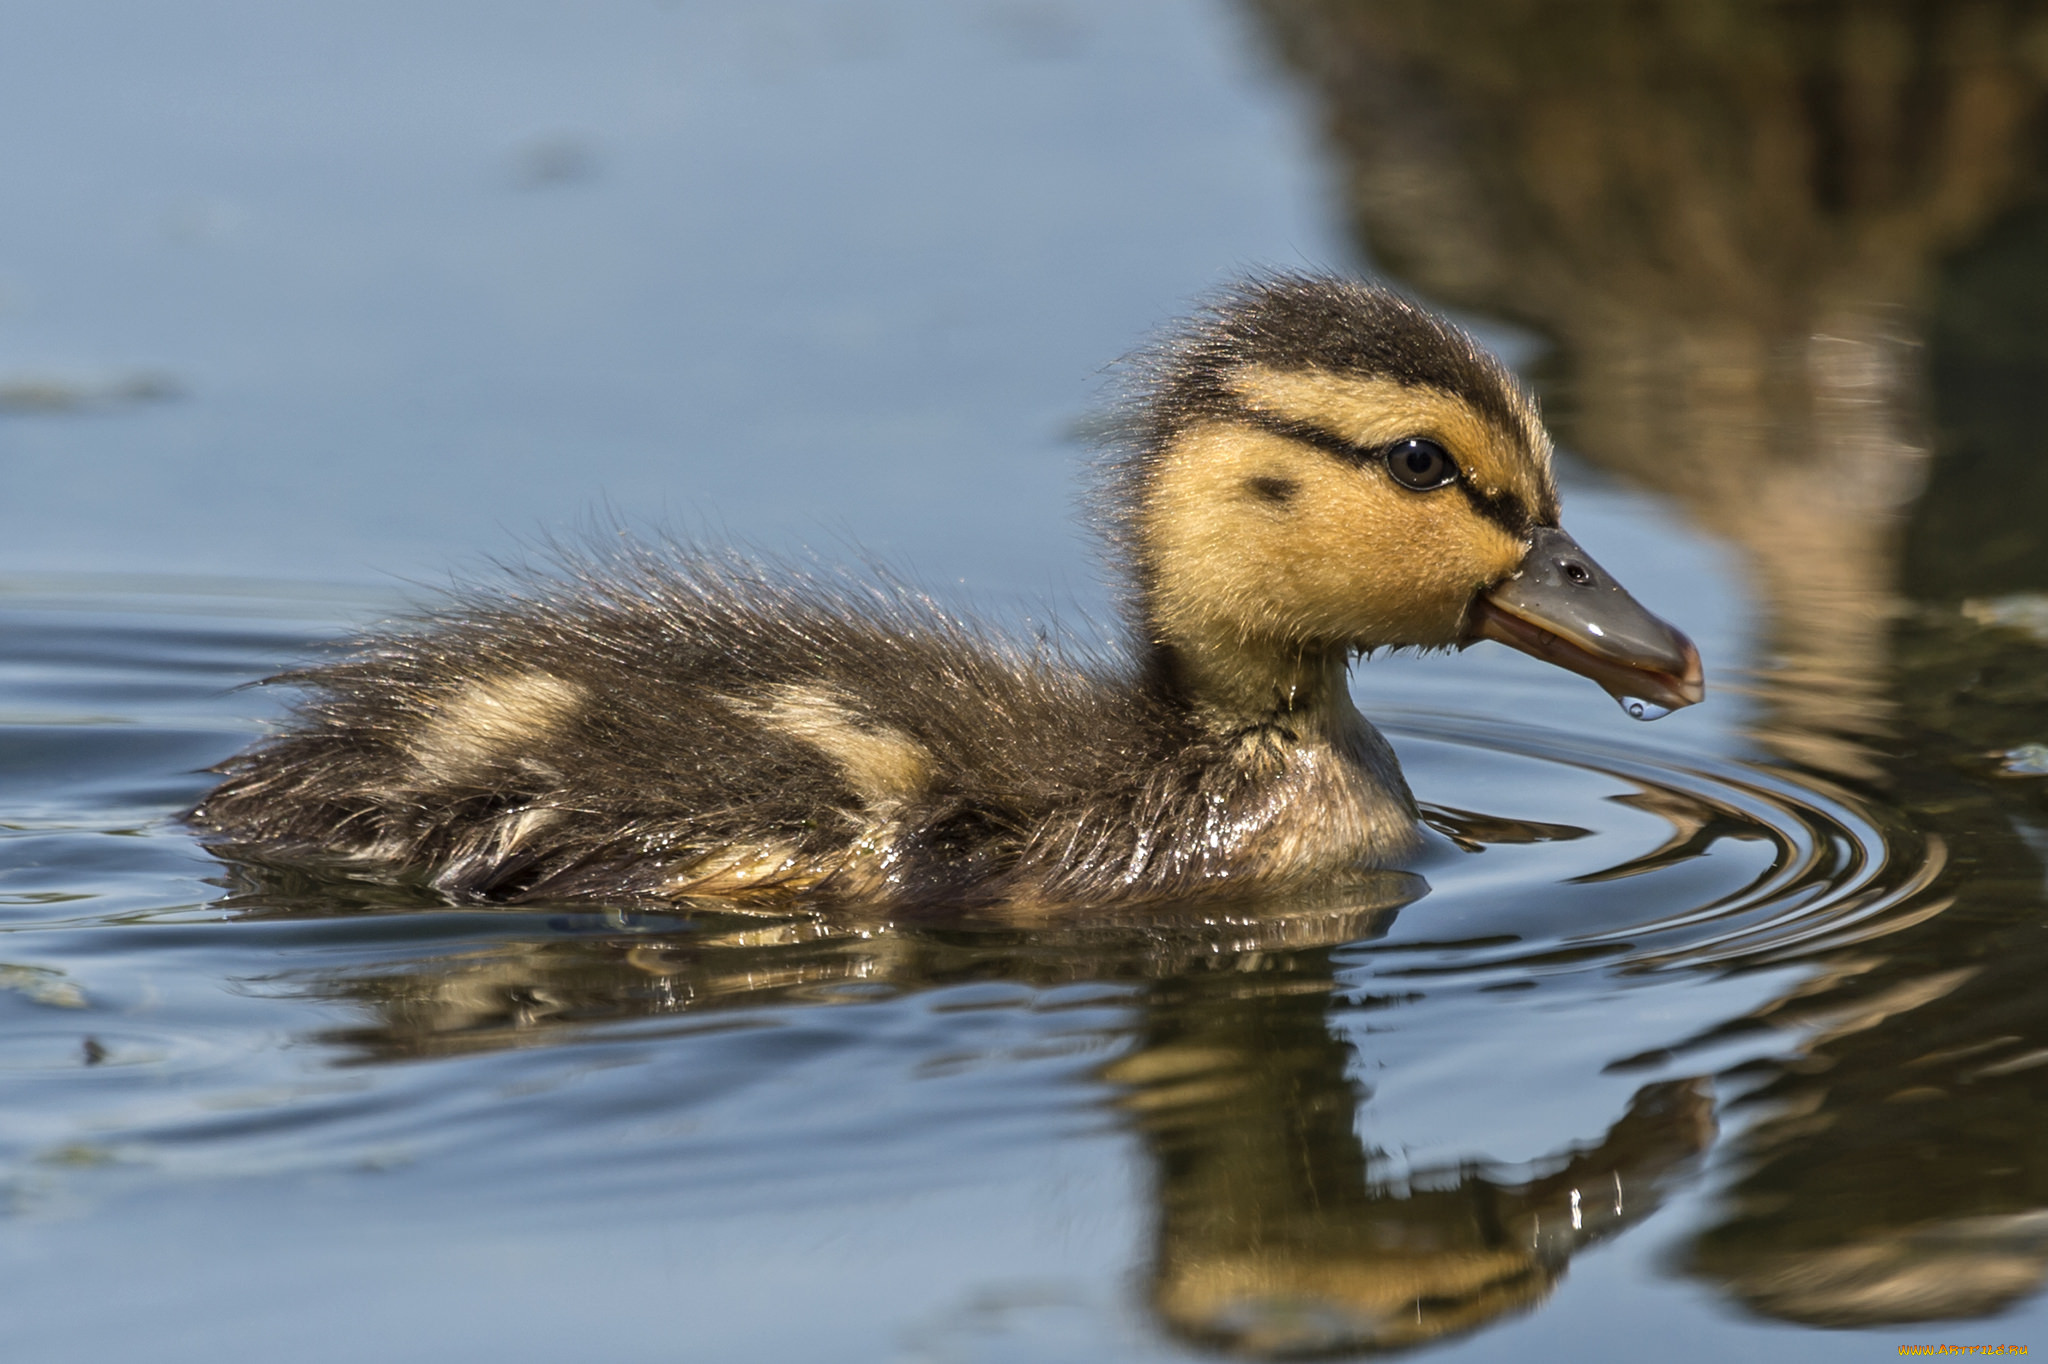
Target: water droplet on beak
[[1639, 709]]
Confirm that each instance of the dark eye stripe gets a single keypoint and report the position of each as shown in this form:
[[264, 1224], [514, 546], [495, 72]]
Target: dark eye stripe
[[1505, 510]]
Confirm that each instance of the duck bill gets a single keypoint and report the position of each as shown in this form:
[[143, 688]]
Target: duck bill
[[1565, 609]]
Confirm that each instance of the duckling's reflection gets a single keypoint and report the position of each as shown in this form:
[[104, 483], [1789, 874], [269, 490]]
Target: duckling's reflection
[[1787, 251], [1275, 1235]]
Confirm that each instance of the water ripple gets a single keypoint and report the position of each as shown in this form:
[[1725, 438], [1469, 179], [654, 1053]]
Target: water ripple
[[1838, 867]]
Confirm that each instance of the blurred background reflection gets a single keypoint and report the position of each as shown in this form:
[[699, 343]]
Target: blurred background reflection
[[1794, 261]]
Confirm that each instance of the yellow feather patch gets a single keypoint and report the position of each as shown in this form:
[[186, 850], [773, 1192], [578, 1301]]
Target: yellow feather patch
[[884, 766], [745, 868], [1351, 560], [484, 722], [1266, 555]]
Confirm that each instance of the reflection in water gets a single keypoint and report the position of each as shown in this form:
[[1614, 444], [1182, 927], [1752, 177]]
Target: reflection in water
[[1789, 259], [1275, 1237], [1277, 1231]]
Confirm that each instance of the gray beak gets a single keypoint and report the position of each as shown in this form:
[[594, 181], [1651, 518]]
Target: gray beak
[[1565, 609]]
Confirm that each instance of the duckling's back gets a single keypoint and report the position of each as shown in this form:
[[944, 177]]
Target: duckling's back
[[673, 726]]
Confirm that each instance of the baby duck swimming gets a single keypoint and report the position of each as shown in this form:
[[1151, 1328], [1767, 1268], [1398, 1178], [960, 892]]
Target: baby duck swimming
[[1315, 468]]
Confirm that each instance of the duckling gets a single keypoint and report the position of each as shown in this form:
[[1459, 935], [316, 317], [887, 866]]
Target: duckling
[[1313, 468]]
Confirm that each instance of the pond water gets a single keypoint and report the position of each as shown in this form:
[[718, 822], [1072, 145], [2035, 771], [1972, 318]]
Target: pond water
[[1722, 1032]]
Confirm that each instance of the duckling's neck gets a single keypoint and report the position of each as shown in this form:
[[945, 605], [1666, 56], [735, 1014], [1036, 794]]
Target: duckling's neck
[[1234, 685]]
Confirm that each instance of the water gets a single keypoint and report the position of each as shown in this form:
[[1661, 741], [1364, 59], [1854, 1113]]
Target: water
[[505, 1092], [1724, 1032]]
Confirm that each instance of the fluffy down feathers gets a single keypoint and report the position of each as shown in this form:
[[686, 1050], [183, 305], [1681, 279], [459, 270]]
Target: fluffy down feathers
[[669, 724]]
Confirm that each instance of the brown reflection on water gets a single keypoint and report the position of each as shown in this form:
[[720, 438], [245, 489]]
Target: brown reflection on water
[[1796, 269], [1277, 1232], [1274, 1237]]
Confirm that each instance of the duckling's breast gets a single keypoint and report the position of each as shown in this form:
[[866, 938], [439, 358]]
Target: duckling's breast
[[1330, 806]]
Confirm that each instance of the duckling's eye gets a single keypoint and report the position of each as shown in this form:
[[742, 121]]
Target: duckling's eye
[[1420, 464]]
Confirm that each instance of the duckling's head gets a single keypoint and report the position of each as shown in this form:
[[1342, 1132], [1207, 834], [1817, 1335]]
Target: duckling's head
[[1322, 468]]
